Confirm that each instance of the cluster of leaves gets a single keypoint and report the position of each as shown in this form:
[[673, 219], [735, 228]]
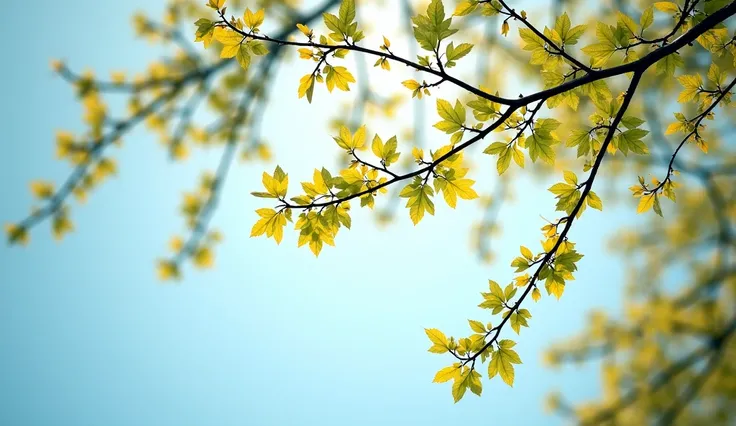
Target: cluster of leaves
[[706, 97], [556, 263], [325, 203]]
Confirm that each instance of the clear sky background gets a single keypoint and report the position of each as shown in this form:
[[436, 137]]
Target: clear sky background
[[272, 336]]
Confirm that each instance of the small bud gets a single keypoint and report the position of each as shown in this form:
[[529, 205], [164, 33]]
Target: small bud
[[56, 65]]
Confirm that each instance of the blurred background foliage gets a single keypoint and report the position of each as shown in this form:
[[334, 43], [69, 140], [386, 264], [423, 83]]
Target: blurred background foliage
[[669, 358]]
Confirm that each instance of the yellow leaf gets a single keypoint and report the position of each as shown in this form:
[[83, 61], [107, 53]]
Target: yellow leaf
[[594, 201], [282, 187], [459, 386], [526, 253], [556, 287], [176, 244], [464, 189], [180, 152], [502, 362], [216, 4], [16, 234], [228, 37], [42, 189], [477, 326], [306, 87], [377, 146], [436, 336], [351, 176], [522, 280], [500, 366], [674, 128], [465, 8], [203, 258], [60, 226], [264, 152], [411, 84], [304, 29], [253, 20], [339, 77], [230, 51], [666, 6], [262, 225], [271, 184], [549, 244], [447, 374], [167, 270], [358, 140], [320, 187], [536, 294], [241, 54], [305, 53], [420, 203], [646, 202]]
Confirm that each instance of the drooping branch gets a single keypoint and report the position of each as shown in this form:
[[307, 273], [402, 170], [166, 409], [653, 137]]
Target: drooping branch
[[569, 220]]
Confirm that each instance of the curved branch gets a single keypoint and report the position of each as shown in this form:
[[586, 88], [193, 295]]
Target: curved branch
[[695, 132], [386, 55], [570, 219], [645, 62], [559, 50]]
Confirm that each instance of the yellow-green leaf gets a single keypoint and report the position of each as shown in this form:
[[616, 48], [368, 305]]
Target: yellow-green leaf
[[646, 202], [447, 374]]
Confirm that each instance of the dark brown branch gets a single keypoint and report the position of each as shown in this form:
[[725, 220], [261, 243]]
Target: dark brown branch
[[695, 132], [640, 64], [638, 67], [571, 218], [387, 55], [558, 50]]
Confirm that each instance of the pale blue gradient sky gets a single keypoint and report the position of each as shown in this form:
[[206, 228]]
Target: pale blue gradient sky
[[272, 336]]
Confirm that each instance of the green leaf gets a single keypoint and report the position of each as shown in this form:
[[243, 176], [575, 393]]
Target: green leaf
[[436, 12], [540, 148], [454, 53], [669, 64], [257, 48], [242, 56], [504, 160], [347, 12], [647, 18], [453, 118]]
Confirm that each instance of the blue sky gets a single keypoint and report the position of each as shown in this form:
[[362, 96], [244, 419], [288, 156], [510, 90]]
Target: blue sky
[[272, 336]]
